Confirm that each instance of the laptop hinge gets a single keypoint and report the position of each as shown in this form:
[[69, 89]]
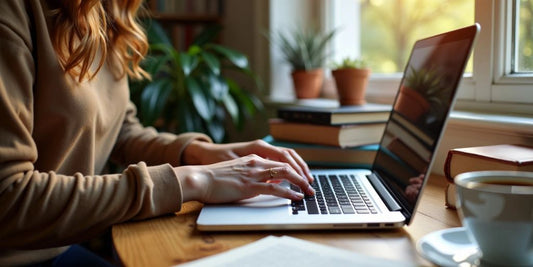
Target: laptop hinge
[[385, 195]]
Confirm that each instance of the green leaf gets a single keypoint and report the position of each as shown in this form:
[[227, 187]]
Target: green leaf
[[207, 35], [188, 63], [194, 50], [218, 87], [161, 48], [216, 127], [231, 107], [238, 59], [156, 34], [153, 65], [184, 114], [153, 99], [246, 102], [198, 98], [212, 62]]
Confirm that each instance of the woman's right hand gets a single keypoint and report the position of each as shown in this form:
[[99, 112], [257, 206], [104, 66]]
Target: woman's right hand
[[238, 179]]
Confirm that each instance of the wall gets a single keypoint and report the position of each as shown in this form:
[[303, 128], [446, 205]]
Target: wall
[[245, 23]]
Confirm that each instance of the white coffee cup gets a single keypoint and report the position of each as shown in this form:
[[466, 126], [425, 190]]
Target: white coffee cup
[[496, 208]]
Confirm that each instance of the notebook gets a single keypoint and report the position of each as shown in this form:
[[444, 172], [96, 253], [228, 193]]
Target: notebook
[[385, 196]]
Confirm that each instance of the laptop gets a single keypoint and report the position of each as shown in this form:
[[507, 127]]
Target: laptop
[[385, 196]]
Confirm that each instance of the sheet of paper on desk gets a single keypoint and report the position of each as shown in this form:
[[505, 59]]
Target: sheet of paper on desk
[[275, 251]]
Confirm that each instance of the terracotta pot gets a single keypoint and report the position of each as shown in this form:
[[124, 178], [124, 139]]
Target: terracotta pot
[[307, 84], [351, 85], [411, 104]]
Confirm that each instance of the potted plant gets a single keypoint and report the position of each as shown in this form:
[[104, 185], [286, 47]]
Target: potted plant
[[351, 79], [422, 89], [305, 51], [189, 90]]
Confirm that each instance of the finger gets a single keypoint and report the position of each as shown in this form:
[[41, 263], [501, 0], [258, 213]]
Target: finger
[[288, 173], [297, 163], [275, 190], [285, 155], [303, 166], [290, 156]]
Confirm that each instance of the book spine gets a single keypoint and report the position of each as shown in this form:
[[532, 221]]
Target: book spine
[[447, 167], [281, 135], [298, 116]]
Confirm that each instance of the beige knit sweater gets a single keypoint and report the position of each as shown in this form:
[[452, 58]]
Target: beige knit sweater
[[55, 137]]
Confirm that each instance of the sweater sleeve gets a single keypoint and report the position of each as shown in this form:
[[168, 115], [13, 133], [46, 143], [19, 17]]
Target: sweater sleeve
[[44, 208], [137, 143]]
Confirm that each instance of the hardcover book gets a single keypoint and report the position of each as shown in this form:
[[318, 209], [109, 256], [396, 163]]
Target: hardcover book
[[333, 135], [367, 113], [505, 157], [331, 156]]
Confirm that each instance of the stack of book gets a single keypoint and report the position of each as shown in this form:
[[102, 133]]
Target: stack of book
[[504, 157], [338, 136]]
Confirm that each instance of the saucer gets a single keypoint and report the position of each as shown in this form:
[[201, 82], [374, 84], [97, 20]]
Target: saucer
[[449, 247]]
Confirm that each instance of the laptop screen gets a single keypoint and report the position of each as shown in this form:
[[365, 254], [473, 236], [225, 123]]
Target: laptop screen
[[420, 110]]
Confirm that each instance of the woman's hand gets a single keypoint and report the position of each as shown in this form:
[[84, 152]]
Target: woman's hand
[[240, 178], [207, 153]]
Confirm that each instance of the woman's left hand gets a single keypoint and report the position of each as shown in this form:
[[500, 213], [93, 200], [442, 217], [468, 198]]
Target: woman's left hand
[[208, 153]]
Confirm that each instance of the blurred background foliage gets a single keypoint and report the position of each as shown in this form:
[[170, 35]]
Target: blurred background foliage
[[192, 90], [389, 28]]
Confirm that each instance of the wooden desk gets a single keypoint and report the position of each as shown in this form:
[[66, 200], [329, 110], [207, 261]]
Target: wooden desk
[[173, 239]]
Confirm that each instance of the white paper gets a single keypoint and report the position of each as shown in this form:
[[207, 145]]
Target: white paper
[[275, 251]]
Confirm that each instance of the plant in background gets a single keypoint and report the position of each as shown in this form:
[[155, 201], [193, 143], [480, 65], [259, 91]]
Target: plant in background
[[351, 79], [350, 63], [303, 49], [189, 90]]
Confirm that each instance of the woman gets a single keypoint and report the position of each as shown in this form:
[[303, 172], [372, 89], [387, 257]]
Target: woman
[[65, 111]]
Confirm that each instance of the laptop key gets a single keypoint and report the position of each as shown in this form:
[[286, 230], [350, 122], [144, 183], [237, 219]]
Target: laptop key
[[312, 207], [334, 210], [347, 209], [363, 211]]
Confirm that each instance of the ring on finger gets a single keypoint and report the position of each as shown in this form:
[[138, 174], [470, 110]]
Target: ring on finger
[[272, 172]]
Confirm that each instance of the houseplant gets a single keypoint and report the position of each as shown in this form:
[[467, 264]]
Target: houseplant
[[190, 90], [305, 51], [351, 79], [421, 90]]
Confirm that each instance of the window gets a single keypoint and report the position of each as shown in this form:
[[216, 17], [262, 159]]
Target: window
[[522, 37], [390, 28], [498, 78], [500, 74]]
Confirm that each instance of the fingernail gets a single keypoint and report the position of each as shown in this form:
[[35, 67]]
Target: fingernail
[[311, 189], [298, 194]]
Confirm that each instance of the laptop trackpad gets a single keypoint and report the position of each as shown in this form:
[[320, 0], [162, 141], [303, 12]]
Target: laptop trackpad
[[264, 201]]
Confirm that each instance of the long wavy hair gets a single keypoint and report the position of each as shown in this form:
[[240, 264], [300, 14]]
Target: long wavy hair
[[85, 32]]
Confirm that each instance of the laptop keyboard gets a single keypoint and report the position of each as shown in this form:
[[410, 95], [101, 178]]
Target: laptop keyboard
[[335, 194]]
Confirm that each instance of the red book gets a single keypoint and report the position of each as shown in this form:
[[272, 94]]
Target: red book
[[481, 158], [504, 157]]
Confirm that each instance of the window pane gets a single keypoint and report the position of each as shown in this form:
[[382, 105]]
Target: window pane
[[523, 37], [390, 27]]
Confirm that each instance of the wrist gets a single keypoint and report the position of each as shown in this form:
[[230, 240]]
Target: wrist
[[192, 153], [191, 182]]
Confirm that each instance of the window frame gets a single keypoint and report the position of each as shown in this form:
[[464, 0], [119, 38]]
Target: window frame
[[491, 87], [491, 81]]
